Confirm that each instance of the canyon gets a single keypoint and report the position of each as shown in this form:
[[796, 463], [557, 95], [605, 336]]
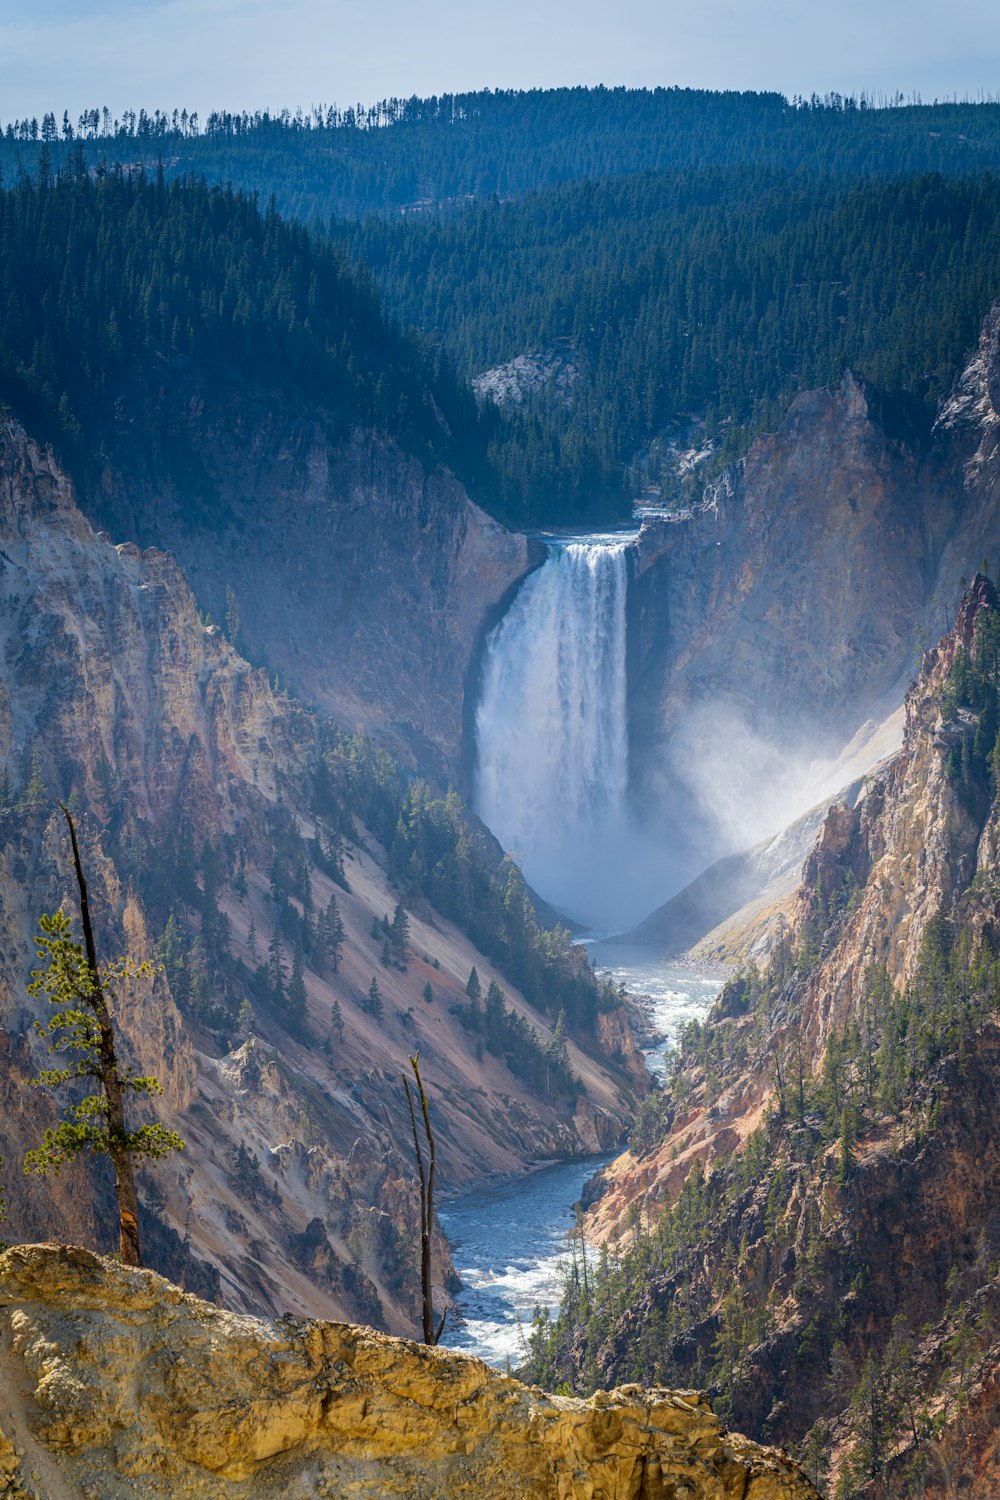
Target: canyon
[[377, 758], [296, 1188], [144, 706], [791, 1242]]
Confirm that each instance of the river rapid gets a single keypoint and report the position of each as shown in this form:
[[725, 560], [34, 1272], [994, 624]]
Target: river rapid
[[509, 1238]]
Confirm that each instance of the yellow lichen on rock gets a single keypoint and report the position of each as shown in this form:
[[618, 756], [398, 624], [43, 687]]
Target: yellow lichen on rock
[[121, 1385]]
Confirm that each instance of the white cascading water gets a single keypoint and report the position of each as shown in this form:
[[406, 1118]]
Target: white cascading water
[[551, 729]]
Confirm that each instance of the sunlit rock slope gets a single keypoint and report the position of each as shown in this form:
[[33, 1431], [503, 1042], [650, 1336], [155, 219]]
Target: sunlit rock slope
[[808, 1210], [194, 783], [115, 1383]]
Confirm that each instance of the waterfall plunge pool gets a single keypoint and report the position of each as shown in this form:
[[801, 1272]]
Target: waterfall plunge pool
[[509, 1238]]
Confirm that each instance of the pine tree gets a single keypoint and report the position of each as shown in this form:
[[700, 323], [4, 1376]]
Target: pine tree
[[199, 988], [848, 1136], [400, 934], [375, 1005], [337, 1021], [82, 1029], [495, 1012], [170, 950], [428, 994], [333, 932], [473, 988], [557, 1052], [297, 990], [276, 970], [35, 794]]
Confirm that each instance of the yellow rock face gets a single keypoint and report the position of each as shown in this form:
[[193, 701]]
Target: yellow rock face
[[113, 1383]]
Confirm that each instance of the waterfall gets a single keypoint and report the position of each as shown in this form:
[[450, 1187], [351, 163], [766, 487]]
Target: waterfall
[[551, 731]]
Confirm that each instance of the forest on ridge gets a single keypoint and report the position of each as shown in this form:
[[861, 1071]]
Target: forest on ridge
[[689, 261]]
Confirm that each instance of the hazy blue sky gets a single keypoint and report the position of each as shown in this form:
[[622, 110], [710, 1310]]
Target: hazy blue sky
[[236, 53]]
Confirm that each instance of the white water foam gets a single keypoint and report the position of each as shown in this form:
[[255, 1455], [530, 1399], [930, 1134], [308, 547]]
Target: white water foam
[[510, 1237], [510, 1251], [671, 992]]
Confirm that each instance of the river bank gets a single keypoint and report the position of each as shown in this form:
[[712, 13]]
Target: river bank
[[509, 1238]]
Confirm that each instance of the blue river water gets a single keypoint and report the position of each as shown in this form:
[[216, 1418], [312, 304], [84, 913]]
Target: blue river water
[[509, 1238], [509, 1244]]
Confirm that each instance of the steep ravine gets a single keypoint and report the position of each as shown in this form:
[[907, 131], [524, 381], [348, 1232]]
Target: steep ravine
[[195, 785]]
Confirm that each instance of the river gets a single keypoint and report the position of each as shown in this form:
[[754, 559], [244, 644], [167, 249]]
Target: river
[[509, 1238]]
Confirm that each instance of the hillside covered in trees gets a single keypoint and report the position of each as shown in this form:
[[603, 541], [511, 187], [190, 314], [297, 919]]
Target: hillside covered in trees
[[710, 294], [688, 260], [113, 286], [421, 155]]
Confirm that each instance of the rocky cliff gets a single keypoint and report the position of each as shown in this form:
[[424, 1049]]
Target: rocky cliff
[[769, 623], [363, 578], [115, 1383], [194, 782], [807, 1215]]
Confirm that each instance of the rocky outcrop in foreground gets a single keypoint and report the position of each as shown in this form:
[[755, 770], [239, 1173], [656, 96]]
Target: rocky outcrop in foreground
[[116, 1383]]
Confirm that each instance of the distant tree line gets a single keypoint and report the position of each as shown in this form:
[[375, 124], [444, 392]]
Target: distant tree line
[[700, 258], [431, 155]]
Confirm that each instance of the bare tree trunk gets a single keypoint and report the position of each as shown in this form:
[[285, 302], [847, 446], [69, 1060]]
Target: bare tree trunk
[[432, 1336], [128, 1203]]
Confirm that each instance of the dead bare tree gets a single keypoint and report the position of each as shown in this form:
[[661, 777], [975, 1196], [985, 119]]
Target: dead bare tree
[[426, 1174]]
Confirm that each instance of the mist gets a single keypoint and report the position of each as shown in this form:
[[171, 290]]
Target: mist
[[553, 773]]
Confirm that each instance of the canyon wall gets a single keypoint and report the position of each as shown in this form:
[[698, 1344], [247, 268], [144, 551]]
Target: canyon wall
[[193, 782], [788, 610], [809, 553], [362, 577], [807, 1213]]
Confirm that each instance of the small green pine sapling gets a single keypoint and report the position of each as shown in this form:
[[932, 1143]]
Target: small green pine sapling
[[82, 1032]]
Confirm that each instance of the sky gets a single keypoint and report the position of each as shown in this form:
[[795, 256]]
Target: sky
[[205, 54]]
